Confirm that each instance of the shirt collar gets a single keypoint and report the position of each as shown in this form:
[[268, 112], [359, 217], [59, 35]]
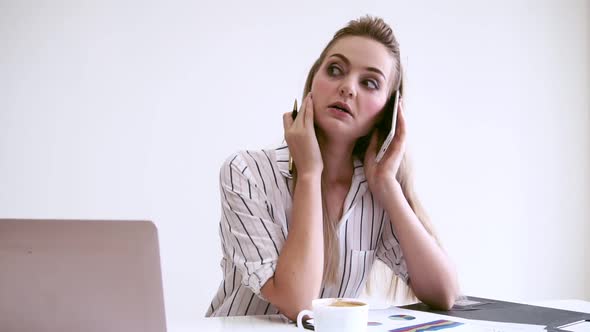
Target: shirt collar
[[282, 153], [358, 186]]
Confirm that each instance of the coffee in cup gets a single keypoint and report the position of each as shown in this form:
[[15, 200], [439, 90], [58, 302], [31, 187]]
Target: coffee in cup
[[345, 303], [337, 314]]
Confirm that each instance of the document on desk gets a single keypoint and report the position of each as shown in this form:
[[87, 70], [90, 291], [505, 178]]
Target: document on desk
[[581, 326], [509, 327], [395, 319]]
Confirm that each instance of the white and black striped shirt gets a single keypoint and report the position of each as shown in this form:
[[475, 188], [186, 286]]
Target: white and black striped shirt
[[256, 209]]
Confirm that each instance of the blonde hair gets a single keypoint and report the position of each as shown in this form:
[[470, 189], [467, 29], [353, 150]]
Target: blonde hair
[[381, 277]]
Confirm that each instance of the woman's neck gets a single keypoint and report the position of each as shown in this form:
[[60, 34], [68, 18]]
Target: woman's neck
[[338, 161]]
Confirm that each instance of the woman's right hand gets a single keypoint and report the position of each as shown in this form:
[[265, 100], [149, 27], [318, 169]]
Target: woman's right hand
[[301, 138]]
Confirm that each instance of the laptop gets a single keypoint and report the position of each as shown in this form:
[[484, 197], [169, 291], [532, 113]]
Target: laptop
[[80, 275]]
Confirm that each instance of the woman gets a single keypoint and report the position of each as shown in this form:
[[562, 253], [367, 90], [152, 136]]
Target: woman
[[286, 239]]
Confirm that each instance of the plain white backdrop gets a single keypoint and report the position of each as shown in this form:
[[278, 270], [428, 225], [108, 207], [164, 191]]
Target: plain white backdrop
[[126, 110]]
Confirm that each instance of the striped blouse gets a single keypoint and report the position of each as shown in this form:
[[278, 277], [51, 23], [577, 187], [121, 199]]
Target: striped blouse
[[255, 216]]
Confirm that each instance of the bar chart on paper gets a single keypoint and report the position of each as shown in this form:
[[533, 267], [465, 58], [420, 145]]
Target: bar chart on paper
[[394, 319]]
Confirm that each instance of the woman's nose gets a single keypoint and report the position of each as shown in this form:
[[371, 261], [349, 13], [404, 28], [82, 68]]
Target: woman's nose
[[346, 90]]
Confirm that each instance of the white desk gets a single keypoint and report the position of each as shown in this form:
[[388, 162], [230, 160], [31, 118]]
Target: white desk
[[278, 323]]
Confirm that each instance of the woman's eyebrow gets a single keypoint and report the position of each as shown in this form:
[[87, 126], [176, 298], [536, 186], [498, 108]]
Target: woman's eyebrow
[[347, 62]]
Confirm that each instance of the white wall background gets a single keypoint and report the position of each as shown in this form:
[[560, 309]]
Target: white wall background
[[126, 110]]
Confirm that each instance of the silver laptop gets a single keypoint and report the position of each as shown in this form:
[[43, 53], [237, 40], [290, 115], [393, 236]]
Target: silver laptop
[[80, 275]]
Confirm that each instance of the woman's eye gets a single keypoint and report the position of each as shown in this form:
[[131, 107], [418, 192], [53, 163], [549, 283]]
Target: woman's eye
[[334, 70], [372, 84]]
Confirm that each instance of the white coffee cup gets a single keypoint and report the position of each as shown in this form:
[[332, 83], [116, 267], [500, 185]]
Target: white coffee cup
[[342, 315]]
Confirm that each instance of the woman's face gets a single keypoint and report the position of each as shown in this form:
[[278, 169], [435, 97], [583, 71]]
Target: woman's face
[[351, 87]]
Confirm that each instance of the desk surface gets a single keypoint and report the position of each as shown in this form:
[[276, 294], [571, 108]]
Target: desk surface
[[279, 323]]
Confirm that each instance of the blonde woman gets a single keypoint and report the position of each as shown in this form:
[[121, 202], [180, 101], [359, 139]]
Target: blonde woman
[[288, 239]]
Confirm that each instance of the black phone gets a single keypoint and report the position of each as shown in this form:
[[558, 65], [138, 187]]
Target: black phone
[[392, 103]]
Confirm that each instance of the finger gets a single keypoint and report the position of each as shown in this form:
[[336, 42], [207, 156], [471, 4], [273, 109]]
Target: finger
[[300, 119], [287, 121], [399, 141], [400, 127], [371, 152], [309, 111]]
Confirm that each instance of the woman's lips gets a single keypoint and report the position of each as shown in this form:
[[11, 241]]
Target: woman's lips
[[339, 112]]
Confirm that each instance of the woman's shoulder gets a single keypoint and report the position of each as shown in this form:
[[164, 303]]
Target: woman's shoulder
[[275, 152], [268, 158], [240, 157]]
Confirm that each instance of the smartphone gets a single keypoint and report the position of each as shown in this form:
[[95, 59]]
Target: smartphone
[[395, 100]]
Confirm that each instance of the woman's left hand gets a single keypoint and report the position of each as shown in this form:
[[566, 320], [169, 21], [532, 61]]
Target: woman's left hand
[[381, 175]]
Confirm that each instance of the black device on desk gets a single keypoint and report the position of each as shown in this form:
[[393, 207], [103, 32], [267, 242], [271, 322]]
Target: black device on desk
[[510, 312]]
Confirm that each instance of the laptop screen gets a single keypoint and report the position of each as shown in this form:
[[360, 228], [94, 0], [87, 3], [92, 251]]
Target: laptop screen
[[80, 275]]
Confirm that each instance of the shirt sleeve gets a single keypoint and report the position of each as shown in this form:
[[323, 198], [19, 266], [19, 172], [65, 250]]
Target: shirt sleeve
[[390, 252], [250, 237]]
